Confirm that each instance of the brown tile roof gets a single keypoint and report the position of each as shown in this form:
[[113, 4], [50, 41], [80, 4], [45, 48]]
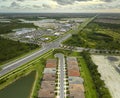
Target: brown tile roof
[[73, 73], [72, 63], [72, 67], [45, 93], [76, 91], [48, 85], [49, 77], [51, 63]]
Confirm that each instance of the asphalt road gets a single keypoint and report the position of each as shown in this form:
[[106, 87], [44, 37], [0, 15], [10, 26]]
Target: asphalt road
[[81, 49], [62, 76], [46, 48]]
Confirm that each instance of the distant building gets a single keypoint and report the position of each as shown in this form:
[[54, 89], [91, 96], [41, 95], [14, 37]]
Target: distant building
[[56, 34]]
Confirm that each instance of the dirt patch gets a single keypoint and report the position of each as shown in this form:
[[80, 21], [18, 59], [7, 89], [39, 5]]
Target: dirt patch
[[107, 69]]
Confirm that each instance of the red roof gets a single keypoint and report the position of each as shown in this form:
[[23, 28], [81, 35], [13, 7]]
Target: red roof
[[51, 63], [73, 73]]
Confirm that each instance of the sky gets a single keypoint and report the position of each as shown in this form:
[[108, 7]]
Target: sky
[[66, 6]]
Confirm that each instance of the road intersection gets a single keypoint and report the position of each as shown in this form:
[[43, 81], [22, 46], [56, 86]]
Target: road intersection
[[52, 45], [46, 48]]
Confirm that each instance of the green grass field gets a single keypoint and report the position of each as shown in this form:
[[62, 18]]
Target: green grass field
[[95, 36], [20, 88], [90, 91]]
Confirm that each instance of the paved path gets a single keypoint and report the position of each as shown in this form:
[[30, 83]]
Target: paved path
[[62, 76]]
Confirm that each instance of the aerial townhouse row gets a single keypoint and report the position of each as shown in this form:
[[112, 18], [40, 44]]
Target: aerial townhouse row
[[76, 87], [48, 80]]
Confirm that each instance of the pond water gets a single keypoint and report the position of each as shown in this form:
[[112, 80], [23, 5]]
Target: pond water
[[20, 88]]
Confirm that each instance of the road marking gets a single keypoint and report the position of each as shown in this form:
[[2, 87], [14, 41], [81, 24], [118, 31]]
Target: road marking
[[22, 59]]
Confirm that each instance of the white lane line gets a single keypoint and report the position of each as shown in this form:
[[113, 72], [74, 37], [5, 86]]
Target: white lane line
[[22, 59]]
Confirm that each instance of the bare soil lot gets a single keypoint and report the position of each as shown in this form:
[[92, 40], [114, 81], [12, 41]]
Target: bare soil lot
[[107, 69], [112, 21]]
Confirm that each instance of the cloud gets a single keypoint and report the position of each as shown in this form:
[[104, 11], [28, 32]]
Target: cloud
[[36, 6], [14, 4], [107, 0], [59, 5], [43, 6], [21, 0], [65, 2], [11, 6], [3, 0], [46, 6], [103, 6]]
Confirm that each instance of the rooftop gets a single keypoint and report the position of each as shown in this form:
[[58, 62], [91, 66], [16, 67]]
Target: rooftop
[[48, 85], [49, 71], [45, 93], [72, 61], [75, 80], [49, 77], [76, 91], [73, 73], [72, 67], [51, 63]]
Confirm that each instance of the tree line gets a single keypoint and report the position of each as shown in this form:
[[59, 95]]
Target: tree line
[[10, 49], [8, 27], [102, 91]]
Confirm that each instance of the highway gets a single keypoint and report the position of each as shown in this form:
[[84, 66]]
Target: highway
[[62, 76], [52, 45]]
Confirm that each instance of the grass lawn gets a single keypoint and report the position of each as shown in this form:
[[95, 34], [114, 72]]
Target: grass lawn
[[95, 36], [20, 88], [50, 38], [88, 82], [39, 73]]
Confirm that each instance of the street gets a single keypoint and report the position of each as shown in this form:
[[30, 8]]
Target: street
[[52, 45], [61, 64], [46, 48]]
